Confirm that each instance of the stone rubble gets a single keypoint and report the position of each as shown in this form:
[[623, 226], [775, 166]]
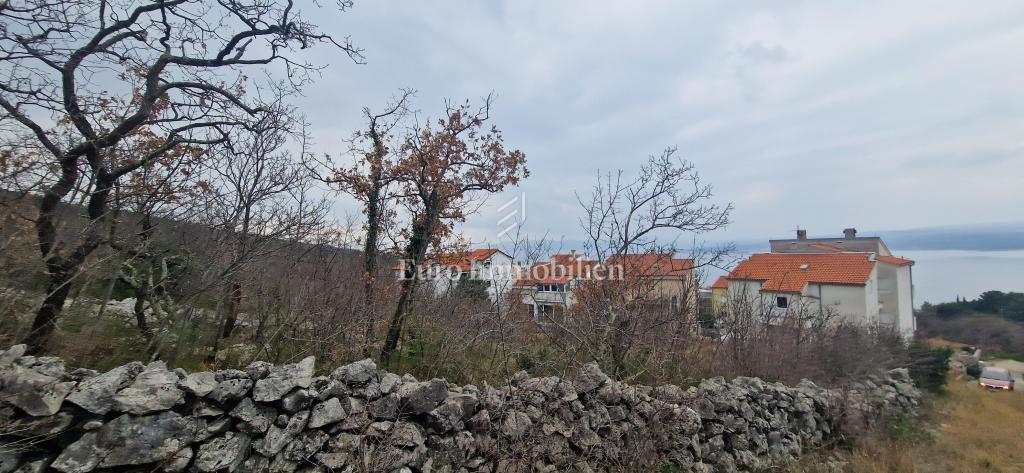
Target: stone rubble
[[283, 419]]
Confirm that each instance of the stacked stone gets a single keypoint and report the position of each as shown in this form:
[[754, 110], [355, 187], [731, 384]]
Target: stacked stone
[[283, 418]]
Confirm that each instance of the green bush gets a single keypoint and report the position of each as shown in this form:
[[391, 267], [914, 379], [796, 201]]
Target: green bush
[[928, 366], [973, 370]]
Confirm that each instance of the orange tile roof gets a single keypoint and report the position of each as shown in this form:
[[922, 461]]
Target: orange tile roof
[[461, 260], [653, 264], [791, 272], [720, 283], [564, 268], [894, 260], [883, 258]]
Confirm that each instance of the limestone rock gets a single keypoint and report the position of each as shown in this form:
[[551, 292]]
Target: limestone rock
[[305, 445], [253, 418], [258, 370], [154, 389], [356, 374], [8, 459], [423, 397], [8, 356], [96, 394], [405, 434], [35, 393], [282, 379], [326, 413], [385, 408], [45, 426], [669, 393], [230, 390], [129, 440], [296, 400], [389, 382], [589, 378], [516, 424], [37, 465], [50, 366], [199, 384], [179, 461], [278, 437], [223, 453]]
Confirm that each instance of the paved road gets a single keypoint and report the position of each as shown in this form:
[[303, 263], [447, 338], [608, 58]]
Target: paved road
[[1016, 370]]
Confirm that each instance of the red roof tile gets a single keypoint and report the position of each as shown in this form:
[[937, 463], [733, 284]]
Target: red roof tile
[[652, 265], [720, 283], [461, 260], [791, 272], [894, 260]]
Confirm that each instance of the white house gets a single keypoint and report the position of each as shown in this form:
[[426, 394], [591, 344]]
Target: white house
[[855, 278], [493, 267], [547, 287]]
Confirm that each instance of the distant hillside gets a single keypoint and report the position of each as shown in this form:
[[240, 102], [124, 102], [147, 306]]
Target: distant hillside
[[985, 237], [981, 237], [994, 321]]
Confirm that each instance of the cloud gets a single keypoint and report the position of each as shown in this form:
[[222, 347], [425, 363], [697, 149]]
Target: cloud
[[877, 114]]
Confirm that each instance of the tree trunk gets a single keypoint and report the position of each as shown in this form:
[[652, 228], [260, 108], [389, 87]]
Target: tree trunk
[[46, 318], [373, 214], [370, 260], [416, 252], [61, 268], [233, 301]]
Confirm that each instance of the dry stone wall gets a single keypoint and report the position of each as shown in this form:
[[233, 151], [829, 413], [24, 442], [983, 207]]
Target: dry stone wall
[[284, 418]]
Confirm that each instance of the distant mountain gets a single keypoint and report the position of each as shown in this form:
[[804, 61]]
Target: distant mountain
[[981, 237], [976, 237]]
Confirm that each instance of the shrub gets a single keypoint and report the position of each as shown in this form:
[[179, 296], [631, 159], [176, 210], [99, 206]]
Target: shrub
[[928, 366]]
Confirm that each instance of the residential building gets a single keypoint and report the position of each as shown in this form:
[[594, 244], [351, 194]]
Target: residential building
[[854, 278], [490, 267], [547, 288], [719, 294], [550, 287]]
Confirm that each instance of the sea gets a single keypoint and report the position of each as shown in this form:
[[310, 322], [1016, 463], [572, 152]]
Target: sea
[[944, 275]]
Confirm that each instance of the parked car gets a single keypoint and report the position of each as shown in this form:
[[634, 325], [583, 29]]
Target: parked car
[[996, 378]]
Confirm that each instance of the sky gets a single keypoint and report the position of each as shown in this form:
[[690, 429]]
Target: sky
[[822, 115]]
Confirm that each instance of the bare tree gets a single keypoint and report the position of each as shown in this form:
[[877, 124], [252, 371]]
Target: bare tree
[[171, 65], [163, 190], [633, 227], [260, 205], [440, 171]]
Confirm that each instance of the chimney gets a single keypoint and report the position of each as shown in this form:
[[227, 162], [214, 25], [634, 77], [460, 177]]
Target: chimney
[[801, 234], [850, 233]]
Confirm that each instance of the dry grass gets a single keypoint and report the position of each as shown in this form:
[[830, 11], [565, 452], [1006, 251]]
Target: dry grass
[[971, 431]]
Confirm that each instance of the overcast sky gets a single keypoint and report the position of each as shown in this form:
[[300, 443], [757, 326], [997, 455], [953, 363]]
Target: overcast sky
[[875, 114]]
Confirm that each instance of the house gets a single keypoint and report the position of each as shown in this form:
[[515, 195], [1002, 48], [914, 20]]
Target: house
[[719, 294], [855, 278], [547, 287], [492, 268], [849, 242], [550, 287]]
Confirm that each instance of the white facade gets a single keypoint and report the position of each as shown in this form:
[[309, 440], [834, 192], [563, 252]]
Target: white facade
[[498, 271], [551, 299], [885, 299], [896, 296], [851, 303]]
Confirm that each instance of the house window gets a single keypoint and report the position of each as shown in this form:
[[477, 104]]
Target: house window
[[782, 302]]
